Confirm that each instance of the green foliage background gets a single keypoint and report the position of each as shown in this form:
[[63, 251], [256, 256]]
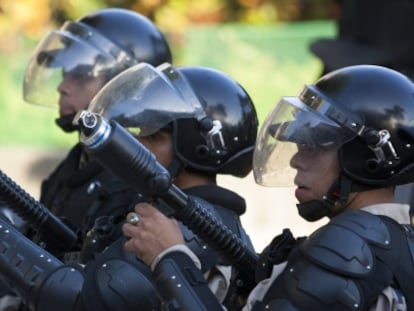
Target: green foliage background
[[269, 60]]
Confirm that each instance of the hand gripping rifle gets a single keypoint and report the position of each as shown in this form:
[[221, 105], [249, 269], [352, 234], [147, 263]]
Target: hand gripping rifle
[[122, 154], [55, 234]]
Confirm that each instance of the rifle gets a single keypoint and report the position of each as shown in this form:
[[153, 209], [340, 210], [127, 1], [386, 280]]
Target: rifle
[[54, 232], [122, 154]]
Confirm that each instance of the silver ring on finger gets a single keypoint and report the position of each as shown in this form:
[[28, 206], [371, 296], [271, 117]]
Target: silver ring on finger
[[133, 219]]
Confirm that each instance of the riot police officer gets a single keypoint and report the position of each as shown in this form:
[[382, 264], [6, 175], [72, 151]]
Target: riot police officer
[[68, 68], [368, 34], [348, 138], [198, 122]]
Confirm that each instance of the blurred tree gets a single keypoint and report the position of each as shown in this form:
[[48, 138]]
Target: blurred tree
[[24, 22], [21, 17], [62, 10], [34, 17]]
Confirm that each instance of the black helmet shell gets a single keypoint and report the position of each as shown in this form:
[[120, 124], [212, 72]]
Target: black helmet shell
[[132, 32], [212, 118], [225, 100], [384, 99]]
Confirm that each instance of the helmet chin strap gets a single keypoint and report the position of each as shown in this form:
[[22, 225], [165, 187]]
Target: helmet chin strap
[[175, 168], [337, 194], [65, 123]]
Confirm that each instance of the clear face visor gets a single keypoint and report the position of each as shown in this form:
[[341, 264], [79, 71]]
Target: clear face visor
[[74, 49], [293, 125], [145, 99]]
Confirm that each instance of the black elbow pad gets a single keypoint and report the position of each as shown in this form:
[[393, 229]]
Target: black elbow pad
[[182, 285]]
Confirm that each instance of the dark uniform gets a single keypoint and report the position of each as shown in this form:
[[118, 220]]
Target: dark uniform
[[222, 203], [217, 137], [90, 200], [363, 258], [100, 284], [205, 137], [321, 272], [86, 197], [99, 46]]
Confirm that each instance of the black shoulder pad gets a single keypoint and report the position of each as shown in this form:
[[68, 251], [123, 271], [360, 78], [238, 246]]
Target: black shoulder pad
[[369, 226], [346, 264], [314, 288], [305, 286], [342, 245]]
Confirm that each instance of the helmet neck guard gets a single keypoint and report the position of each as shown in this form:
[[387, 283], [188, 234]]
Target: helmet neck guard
[[316, 209], [338, 194]]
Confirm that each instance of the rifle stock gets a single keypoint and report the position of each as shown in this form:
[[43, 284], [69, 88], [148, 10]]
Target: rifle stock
[[122, 154]]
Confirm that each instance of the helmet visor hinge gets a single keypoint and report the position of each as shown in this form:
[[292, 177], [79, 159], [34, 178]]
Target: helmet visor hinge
[[214, 137], [380, 143]]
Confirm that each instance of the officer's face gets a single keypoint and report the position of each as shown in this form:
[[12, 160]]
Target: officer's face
[[160, 144], [76, 91], [316, 170]]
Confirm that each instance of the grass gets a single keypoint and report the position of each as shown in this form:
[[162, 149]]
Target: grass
[[270, 61]]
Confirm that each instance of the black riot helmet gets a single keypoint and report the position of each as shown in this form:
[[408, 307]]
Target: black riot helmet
[[366, 111], [213, 119], [132, 32], [104, 42]]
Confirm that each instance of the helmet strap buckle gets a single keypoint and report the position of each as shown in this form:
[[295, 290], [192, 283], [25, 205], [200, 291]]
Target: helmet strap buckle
[[380, 144]]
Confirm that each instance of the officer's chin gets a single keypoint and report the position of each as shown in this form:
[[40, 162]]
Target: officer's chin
[[66, 124]]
